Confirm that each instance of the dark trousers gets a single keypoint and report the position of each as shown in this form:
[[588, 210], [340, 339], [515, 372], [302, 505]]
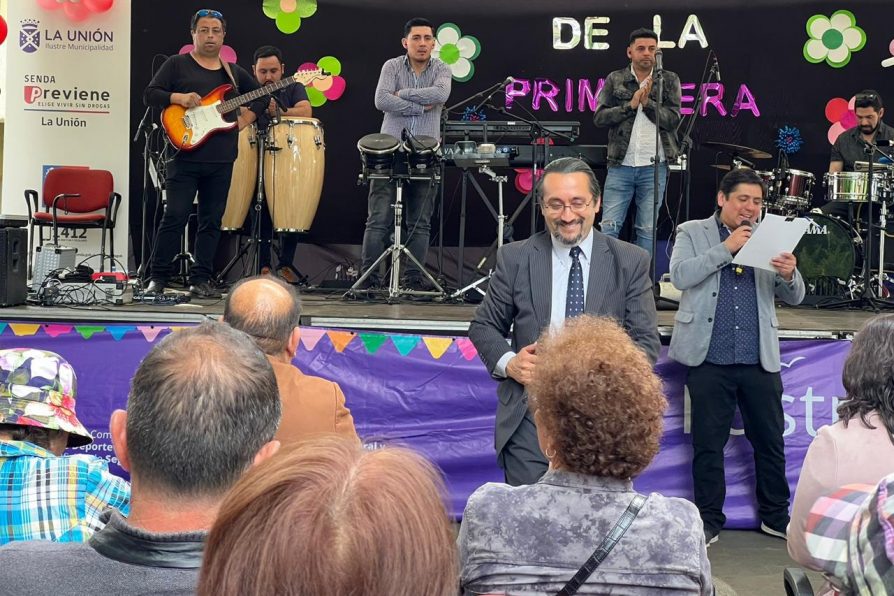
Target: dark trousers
[[418, 201], [288, 243], [184, 179], [714, 392], [521, 459]]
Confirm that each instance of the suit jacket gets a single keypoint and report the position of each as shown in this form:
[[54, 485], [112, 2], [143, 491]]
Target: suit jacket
[[519, 297], [695, 265], [311, 406]]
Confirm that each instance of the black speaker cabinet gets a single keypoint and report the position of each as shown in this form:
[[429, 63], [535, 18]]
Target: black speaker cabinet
[[13, 266]]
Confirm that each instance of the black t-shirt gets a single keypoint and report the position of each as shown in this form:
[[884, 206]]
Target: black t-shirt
[[849, 147], [182, 74], [288, 97]]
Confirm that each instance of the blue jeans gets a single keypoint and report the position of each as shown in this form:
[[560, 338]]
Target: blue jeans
[[622, 184]]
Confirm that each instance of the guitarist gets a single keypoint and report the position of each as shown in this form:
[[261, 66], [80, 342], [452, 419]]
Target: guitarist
[[292, 100], [183, 80]]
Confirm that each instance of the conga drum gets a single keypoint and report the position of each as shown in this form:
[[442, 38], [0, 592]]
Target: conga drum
[[293, 173], [244, 181]]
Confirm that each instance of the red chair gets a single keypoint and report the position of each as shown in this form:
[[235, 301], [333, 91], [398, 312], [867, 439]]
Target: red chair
[[76, 199]]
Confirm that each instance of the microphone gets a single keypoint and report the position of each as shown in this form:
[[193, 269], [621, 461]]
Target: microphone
[[491, 91], [717, 68], [144, 124], [659, 59], [745, 222]]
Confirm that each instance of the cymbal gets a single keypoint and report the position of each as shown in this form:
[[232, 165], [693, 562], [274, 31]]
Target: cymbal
[[721, 166], [738, 150]]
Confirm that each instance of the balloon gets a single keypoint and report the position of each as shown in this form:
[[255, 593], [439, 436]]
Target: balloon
[[76, 11], [3, 30], [98, 5], [336, 90], [836, 109]]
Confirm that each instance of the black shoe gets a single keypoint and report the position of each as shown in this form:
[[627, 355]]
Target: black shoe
[[711, 536], [771, 531], [155, 287], [373, 282], [204, 290], [417, 282]]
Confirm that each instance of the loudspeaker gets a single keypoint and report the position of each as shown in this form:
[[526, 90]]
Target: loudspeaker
[[13, 266]]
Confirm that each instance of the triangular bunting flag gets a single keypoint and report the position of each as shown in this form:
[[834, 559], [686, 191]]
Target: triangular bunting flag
[[310, 336], [373, 341], [466, 347], [118, 332], [175, 328], [405, 343], [24, 329], [437, 345], [87, 331], [150, 332], [2, 327], [340, 339], [57, 330]]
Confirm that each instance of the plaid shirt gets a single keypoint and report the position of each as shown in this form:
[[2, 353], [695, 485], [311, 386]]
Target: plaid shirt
[[45, 497]]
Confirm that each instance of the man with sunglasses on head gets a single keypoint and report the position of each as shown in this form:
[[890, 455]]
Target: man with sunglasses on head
[[183, 80], [567, 270], [851, 145]]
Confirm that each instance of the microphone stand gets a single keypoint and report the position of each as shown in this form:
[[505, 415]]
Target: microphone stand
[[144, 128], [657, 75], [686, 143]]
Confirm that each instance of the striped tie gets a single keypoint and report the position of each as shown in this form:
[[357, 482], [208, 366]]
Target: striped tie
[[574, 300]]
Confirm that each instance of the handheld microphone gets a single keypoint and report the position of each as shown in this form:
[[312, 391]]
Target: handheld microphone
[[745, 222], [659, 60]]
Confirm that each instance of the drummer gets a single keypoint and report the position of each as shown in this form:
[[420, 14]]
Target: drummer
[[268, 67], [850, 147], [411, 92]]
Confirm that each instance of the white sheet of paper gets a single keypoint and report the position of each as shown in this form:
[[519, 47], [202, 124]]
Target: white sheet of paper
[[774, 235]]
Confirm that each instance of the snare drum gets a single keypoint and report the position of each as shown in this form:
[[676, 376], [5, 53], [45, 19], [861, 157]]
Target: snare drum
[[377, 152], [830, 250], [423, 151], [851, 186], [293, 173], [244, 180], [795, 190]]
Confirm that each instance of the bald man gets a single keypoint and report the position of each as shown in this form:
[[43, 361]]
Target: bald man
[[268, 309]]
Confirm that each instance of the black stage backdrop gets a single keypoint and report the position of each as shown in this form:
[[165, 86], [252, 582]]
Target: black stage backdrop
[[759, 47]]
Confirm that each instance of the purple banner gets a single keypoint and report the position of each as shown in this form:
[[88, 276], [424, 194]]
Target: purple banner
[[433, 394]]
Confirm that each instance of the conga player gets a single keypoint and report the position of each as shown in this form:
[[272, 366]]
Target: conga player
[[411, 92]]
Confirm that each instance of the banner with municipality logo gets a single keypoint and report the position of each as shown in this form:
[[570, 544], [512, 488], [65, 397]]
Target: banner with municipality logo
[[67, 101]]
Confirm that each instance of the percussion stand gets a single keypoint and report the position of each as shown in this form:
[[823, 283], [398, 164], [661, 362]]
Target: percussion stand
[[501, 222], [398, 248], [252, 247]]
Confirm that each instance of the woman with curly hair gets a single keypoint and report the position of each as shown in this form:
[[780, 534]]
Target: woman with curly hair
[[598, 407], [859, 448]]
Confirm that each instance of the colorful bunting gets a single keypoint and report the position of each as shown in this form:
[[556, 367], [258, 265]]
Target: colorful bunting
[[57, 330], [340, 339], [310, 336], [466, 348], [437, 345], [150, 332], [405, 343], [373, 341], [24, 329], [119, 331]]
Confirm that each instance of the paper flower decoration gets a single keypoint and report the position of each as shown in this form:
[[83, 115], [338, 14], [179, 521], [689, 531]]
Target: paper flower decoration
[[840, 112], [226, 52], [326, 89], [471, 115], [890, 60], [789, 140], [288, 13], [833, 39], [77, 10], [4, 30], [456, 51]]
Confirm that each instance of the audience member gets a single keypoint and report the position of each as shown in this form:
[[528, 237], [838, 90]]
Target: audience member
[[268, 309], [859, 447], [327, 517], [45, 495], [203, 408], [849, 537], [598, 408]]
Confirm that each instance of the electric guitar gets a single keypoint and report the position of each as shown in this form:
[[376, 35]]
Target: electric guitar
[[188, 128]]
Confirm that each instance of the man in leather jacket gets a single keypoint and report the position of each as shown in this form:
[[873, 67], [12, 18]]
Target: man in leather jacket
[[627, 106]]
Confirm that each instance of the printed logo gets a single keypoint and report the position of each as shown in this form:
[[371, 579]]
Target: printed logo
[[29, 36]]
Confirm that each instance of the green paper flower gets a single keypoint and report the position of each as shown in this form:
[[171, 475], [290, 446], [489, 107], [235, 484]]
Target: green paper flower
[[288, 13], [456, 51], [833, 39]]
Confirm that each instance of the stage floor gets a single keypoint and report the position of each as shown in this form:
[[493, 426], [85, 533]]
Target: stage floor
[[329, 310]]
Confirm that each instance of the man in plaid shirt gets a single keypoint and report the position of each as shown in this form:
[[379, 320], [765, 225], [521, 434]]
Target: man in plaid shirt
[[43, 494]]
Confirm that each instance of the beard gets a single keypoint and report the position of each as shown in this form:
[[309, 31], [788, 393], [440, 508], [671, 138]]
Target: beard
[[557, 234], [868, 130]]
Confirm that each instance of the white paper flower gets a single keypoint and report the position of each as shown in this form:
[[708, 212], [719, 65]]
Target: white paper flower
[[833, 39], [457, 51]]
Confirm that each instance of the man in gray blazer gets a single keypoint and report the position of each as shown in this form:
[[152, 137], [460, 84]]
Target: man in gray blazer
[[567, 270], [726, 332]]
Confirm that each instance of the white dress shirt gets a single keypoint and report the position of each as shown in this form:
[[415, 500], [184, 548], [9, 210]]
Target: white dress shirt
[[641, 149]]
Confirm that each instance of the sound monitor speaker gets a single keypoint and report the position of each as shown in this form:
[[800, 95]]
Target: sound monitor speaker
[[13, 266]]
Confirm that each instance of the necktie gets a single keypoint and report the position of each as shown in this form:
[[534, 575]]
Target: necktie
[[574, 299]]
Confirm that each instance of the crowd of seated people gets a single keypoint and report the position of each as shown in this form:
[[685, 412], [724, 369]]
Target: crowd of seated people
[[214, 504]]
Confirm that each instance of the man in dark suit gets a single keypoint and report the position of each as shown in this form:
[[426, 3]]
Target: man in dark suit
[[567, 270]]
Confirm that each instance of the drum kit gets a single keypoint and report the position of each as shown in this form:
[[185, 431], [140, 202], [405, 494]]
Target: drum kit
[[282, 166], [416, 159], [831, 254]]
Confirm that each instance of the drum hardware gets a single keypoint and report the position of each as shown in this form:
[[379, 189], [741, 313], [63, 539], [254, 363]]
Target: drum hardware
[[381, 160], [737, 150]]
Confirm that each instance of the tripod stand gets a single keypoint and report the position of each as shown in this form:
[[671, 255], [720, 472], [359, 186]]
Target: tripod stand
[[501, 221], [395, 251]]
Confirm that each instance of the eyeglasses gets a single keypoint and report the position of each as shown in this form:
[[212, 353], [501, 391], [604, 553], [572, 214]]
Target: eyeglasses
[[207, 12], [577, 205]]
